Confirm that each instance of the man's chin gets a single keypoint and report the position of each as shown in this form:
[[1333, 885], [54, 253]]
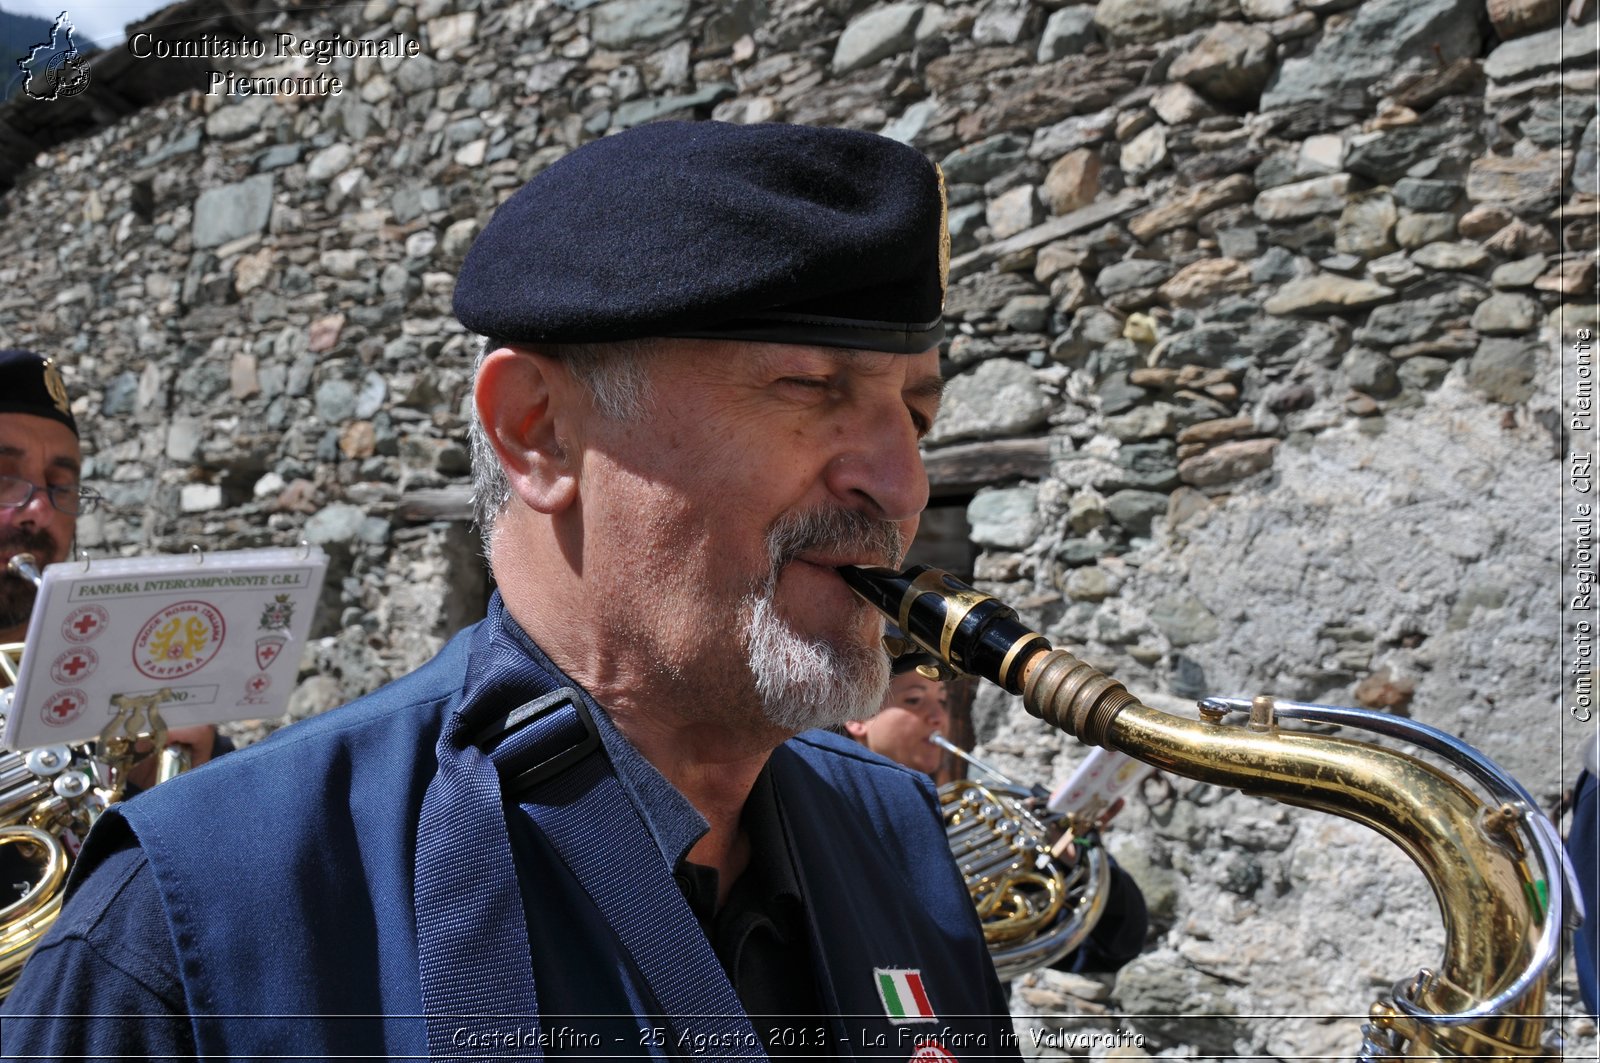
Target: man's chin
[[805, 680]]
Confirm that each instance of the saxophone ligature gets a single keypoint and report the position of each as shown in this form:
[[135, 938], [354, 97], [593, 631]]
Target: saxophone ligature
[[1494, 861]]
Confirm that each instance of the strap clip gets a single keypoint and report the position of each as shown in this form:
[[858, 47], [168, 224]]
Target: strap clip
[[567, 742]]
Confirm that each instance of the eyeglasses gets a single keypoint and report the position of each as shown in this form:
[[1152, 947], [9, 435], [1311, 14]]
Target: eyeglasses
[[72, 499]]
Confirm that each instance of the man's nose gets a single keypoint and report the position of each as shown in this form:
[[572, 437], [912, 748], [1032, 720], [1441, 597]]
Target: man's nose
[[882, 473], [36, 513]]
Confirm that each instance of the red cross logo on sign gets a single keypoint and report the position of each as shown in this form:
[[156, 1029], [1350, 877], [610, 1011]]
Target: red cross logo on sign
[[74, 666], [255, 689], [84, 624], [63, 707]]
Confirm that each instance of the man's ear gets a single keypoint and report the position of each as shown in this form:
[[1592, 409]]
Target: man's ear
[[520, 405], [856, 729]]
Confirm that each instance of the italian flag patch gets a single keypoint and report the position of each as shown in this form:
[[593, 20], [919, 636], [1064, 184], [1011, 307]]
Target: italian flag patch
[[904, 998]]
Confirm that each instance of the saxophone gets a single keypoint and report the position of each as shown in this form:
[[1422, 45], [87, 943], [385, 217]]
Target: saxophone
[[1496, 866]]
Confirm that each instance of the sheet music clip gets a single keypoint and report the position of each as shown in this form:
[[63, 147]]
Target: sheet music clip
[[114, 749]]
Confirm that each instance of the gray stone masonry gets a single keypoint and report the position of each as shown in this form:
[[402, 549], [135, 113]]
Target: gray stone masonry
[[1253, 373]]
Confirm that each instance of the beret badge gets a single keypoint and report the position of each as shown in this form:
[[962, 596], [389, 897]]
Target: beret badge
[[56, 387], [944, 236]]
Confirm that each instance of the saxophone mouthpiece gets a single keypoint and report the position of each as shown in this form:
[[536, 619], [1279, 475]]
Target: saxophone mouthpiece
[[970, 631]]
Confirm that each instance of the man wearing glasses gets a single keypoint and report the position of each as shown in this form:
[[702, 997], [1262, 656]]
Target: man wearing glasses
[[40, 464]]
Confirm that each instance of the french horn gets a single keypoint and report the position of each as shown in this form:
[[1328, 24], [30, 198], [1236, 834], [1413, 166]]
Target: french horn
[[1494, 861], [1035, 903]]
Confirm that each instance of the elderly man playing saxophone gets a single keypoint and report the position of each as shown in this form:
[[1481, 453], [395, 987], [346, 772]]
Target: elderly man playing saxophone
[[586, 828]]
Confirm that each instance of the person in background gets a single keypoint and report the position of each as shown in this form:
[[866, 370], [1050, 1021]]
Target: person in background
[[41, 498]]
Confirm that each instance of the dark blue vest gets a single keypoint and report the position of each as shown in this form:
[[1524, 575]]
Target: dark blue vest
[[286, 873]]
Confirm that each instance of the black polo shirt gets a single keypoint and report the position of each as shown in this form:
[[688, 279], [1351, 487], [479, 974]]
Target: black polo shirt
[[762, 935]]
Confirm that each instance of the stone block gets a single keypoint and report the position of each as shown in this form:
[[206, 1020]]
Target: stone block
[[623, 23], [1566, 46], [1418, 230], [1303, 199], [998, 398], [233, 211], [1506, 314], [1366, 226], [1067, 31], [1228, 462], [1145, 152], [1521, 184], [199, 498], [1005, 517], [1382, 35], [1072, 182], [1326, 293], [1205, 282], [1178, 104], [1014, 211], [1155, 20], [1371, 373], [985, 160], [877, 34], [1502, 370], [1231, 63], [1446, 255]]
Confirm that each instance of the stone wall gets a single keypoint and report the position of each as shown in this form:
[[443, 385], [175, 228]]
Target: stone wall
[[1257, 309]]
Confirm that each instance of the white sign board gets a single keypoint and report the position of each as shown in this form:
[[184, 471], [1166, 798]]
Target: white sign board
[[222, 631]]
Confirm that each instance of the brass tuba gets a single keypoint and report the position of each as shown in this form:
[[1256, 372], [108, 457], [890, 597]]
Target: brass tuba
[[1495, 863]]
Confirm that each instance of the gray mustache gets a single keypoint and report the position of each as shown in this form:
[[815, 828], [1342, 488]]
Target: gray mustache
[[834, 531]]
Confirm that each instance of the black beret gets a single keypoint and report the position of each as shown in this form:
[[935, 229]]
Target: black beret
[[30, 383], [788, 234]]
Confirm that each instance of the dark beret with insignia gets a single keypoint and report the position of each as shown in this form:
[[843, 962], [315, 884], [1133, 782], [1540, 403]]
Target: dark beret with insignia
[[780, 233], [30, 383]]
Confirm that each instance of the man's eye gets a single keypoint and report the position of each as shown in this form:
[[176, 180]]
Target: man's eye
[[809, 381]]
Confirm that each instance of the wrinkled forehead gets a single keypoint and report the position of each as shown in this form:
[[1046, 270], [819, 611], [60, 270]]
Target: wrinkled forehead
[[37, 441]]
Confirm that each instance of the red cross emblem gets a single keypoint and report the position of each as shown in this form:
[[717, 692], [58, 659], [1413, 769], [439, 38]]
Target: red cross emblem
[[84, 623], [63, 707], [74, 666], [255, 689]]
